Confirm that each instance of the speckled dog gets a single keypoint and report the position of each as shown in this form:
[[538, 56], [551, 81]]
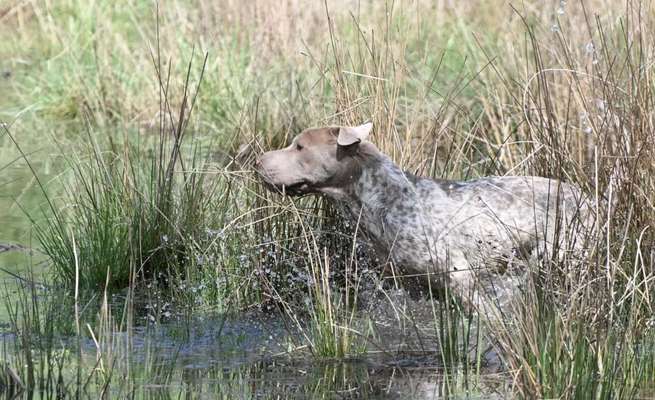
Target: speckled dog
[[451, 232]]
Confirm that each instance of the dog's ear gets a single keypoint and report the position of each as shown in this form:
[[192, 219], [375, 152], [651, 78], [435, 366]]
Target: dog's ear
[[353, 134]]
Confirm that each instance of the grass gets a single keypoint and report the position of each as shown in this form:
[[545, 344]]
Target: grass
[[332, 332], [567, 355], [129, 215], [154, 194]]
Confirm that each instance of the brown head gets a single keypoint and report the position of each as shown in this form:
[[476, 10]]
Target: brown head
[[319, 160]]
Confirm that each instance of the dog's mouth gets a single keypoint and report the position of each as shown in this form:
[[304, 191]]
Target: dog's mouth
[[297, 189]]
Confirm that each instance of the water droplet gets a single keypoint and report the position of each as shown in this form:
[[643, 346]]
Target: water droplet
[[600, 104]]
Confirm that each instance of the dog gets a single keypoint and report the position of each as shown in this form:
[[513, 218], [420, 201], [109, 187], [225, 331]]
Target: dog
[[452, 233]]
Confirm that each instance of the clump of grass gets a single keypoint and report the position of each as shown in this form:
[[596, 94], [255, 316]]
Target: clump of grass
[[332, 333], [461, 343], [566, 354], [130, 214], [330, 329]]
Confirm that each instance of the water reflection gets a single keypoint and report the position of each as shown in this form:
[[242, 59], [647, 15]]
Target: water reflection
[[274, 379], [244, 357]]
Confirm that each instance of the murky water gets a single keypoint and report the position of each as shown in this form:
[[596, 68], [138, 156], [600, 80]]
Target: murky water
[[260, 354], [20, 194], [249, 356]]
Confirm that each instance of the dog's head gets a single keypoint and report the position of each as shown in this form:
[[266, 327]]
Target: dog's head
[[317, 160]]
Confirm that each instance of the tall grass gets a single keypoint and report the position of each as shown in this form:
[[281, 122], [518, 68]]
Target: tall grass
[[579, 329], [128, 215], [331, 331]]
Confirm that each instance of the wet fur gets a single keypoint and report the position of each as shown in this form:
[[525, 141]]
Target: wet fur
[[450, 232]]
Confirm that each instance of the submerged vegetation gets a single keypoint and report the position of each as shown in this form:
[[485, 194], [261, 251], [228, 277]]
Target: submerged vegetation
[[127, 138]]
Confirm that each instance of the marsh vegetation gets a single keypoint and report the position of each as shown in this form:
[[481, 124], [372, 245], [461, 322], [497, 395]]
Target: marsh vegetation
[[142, 258]]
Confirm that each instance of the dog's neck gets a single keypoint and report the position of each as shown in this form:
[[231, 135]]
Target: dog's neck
[[378, 188]]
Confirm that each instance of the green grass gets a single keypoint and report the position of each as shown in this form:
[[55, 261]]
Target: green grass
[[331, 331], [124, 214], [571, 356]]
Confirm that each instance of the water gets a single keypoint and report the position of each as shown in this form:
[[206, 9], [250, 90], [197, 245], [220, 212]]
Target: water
[[256, 355], [20, 195], [248, 357], [19, 192]]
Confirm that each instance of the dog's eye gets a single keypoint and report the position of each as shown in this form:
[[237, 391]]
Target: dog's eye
[[298, 146]]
